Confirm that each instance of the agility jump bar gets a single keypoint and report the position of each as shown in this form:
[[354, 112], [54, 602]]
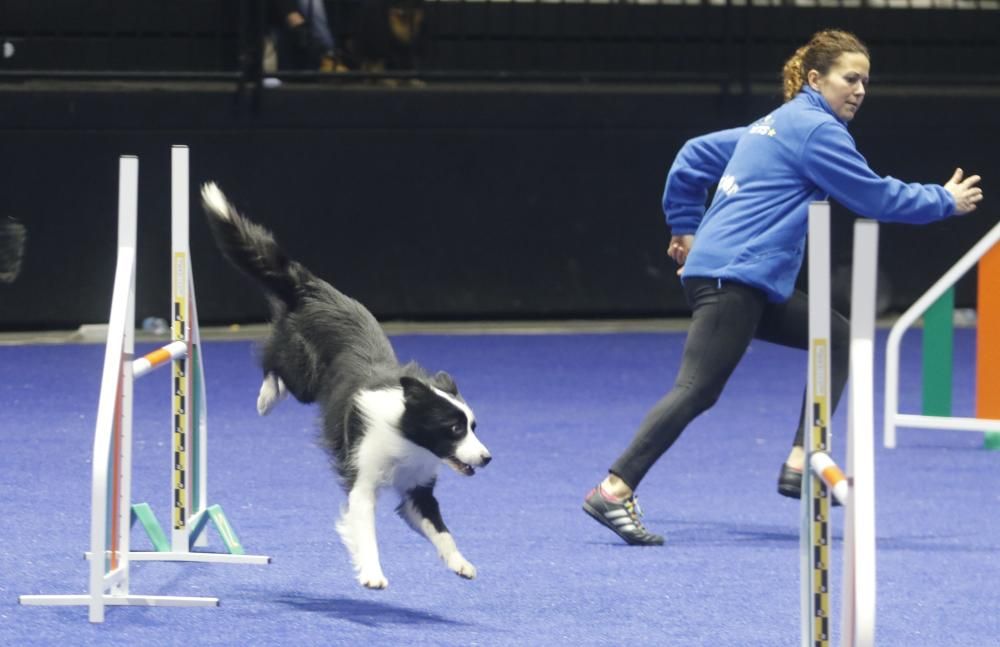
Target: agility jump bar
[[831, 474], [159, 357]]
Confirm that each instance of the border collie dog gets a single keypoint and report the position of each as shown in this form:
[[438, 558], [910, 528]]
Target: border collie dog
[[385, 424]]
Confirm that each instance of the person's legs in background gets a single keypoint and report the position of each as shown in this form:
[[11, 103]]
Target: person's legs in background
[[304, 38], [314, 12]]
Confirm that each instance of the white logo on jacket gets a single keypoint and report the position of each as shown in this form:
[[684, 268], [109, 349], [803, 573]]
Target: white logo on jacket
[[728, 185], [763, 127]]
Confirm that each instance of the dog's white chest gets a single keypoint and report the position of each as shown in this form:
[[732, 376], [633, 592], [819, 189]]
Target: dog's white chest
[[418, 468], [385, 458]]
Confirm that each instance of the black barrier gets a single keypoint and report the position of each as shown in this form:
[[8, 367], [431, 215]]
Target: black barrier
[[124, 38], [445, 202], [453, 198]]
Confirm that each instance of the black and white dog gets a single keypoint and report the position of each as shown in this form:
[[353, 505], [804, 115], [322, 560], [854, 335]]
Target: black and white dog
[[386, 424]]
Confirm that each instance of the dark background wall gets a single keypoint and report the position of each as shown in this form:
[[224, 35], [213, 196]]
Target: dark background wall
[[442, 202], [521, 179]]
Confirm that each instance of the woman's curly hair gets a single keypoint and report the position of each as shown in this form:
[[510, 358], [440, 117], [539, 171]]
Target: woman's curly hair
[[818, 54]]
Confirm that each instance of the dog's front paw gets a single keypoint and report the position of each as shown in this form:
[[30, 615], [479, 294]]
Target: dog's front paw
[[373, 580], [461, 566]]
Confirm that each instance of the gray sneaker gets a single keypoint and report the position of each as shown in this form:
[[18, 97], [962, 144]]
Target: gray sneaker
[[622, 517]]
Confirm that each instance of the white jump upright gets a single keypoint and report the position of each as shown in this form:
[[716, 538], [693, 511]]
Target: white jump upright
[[857, 627], [892, 418], [822, 477], [112, 513], [187, 390], [814, 538]]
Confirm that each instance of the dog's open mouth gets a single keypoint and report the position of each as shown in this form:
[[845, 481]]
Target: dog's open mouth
[[462, 468]]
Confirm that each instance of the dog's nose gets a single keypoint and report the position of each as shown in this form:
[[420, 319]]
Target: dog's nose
[[486, 460]]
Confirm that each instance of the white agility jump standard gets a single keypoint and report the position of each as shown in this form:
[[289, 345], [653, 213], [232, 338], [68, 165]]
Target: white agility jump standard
[[856, 490], [112, 513], [892, 418]]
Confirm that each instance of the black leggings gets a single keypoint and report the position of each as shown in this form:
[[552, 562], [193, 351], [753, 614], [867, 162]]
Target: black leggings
[[725, 317]]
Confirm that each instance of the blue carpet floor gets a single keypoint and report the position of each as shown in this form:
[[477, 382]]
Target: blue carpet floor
[[555, 410]]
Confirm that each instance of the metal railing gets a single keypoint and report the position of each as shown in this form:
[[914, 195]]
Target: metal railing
[[725, 41], [122, 38]]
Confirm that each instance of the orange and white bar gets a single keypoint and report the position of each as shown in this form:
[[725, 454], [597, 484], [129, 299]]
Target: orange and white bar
[[824, 467], [159, 357]]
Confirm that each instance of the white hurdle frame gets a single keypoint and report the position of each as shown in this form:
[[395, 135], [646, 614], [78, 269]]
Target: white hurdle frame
[[892, 418], [857, 627], [814, 536], [858, 600], [111, 516], [112, 455], [190, 513]]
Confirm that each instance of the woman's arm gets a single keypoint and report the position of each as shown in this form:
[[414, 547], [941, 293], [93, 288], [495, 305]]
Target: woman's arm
[[698, 166], [831, 160]]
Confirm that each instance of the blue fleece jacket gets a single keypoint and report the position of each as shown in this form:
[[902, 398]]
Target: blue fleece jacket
[[754, 231]]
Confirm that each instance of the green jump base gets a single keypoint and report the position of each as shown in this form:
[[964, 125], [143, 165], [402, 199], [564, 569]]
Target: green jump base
[[215, 514], [143, 513], [991, 440]]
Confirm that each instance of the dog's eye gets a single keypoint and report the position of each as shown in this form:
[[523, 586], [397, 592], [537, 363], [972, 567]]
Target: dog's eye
[[457, 429], [473, 425]]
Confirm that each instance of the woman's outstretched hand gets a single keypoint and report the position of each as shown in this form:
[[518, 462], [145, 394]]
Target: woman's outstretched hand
[[965, 192]]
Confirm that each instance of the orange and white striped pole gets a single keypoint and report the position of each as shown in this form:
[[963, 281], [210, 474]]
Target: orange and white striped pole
[[824, 467], [159, 357]]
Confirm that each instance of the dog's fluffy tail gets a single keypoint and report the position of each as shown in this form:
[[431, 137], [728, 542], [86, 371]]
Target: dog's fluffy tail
[[250, 247]]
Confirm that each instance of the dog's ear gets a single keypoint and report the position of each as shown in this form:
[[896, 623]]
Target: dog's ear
[[413, 388], [444, 382]]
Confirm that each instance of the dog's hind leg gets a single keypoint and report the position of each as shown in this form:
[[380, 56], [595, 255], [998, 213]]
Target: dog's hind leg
[[272, 391], [356, 527], [421, 511]]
